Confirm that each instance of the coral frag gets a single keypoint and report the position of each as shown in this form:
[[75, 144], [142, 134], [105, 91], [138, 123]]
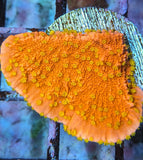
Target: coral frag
[[84, 81]]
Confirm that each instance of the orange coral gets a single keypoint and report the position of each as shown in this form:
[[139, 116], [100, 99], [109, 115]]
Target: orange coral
[[77, 79]]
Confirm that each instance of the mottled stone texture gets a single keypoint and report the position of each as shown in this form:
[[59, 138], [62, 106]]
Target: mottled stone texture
[[30, 13], [71, 148], [119, 6], [133, 149], [135, 13], [23, 133]]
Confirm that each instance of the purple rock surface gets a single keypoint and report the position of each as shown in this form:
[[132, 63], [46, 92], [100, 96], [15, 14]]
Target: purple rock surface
[[119, 6], [135, 13], [23, 133]]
